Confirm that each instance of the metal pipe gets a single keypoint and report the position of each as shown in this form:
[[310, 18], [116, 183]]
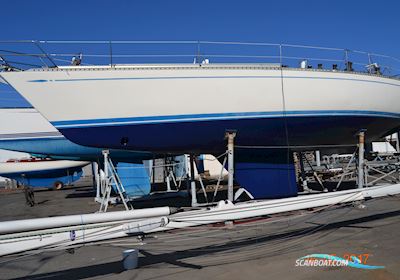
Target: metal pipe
[[96, 177], [318, 158], [303, 172], [231, 169], [106, 184], [192, 182], [105, 154], [168, 183], [398, 142], [361, 150]]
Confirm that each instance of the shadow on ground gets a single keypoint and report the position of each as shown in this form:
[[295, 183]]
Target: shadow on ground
[[82, 192]]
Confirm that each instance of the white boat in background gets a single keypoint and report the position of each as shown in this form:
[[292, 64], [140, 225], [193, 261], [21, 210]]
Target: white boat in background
[[25, 123], [24, 166], [34, 172], [26, 130]]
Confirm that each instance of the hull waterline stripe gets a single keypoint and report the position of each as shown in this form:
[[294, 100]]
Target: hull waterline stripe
[[31, 138], [210, 77], [31, 134], [218, 116]]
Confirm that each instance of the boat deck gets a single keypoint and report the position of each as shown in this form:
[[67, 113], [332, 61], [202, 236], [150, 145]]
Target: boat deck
[[253, 249]]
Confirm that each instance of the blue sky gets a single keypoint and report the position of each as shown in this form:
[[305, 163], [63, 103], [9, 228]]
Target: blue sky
[[366, 25]]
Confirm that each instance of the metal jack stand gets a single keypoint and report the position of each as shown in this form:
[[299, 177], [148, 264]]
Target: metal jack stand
[[97, 181], [303, 173], [361, 150], [318, 158], [219, 179], [230, 135], [229, 156], [169, 175], [193, 191], [193, 182], [111, 179], [361, 165], [305, 187], [359, 171]]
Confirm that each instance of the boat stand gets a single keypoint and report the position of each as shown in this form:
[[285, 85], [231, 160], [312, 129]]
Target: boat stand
[[97, 181], [230, 136], [303, 177], [358, 172], [193, 191], [369, 173], [315, 175], [229, 157], [361, 151], [219, 178], [111, 179]]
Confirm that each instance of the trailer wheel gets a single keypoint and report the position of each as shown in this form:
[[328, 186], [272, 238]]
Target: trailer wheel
[[58, 185]]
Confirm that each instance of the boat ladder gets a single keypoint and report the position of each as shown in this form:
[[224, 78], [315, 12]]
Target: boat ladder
[[111, 181]]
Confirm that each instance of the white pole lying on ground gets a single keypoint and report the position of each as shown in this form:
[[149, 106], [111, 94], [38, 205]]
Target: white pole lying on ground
[[61, 238], [227, 211], [76, 220]]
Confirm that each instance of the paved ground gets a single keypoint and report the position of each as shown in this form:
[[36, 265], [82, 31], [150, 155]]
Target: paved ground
[[49, 203], [266, 249]]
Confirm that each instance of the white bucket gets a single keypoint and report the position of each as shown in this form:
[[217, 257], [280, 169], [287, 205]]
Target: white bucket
[[130, 259]]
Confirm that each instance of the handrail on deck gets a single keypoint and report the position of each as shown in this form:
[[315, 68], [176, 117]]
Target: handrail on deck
[[106, 52]]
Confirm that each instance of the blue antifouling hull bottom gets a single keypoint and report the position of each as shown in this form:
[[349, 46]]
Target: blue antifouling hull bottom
[[267, 180], [46, 180], [134, 179]]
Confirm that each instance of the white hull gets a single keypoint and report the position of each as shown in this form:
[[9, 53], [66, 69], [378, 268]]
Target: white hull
[[90, 97], [27, 167], [105, 93], [25, 123]]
